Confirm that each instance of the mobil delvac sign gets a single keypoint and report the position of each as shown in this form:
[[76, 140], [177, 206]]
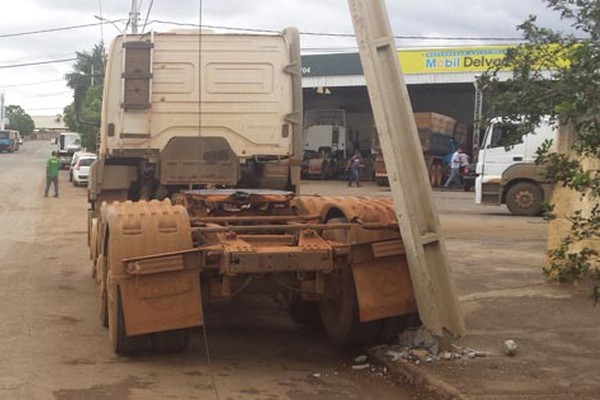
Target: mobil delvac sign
[[453, 60], [422, 61]]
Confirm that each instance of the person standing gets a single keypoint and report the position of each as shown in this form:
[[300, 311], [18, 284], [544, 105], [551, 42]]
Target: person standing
[[353, 167], [52, 168], [464, 165], [454, 168]]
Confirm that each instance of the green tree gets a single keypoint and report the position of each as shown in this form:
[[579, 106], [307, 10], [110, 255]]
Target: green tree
[[87, 81], [558, 75], [19, 120], [88, 69]]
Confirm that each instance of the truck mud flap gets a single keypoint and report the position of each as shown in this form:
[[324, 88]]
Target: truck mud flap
[[162, 301], [383, 288], [151, 260]]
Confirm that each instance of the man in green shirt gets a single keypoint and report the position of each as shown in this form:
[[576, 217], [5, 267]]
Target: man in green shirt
[[52, 168]]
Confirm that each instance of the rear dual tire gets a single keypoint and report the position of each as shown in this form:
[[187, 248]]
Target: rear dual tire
[[339, 307]]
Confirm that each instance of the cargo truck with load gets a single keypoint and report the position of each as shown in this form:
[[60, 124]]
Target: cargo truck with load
[[506, 169], [436, 133], [195, 197]]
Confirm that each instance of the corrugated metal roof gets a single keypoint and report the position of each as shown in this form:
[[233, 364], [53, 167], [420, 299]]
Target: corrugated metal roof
[[47, 122]]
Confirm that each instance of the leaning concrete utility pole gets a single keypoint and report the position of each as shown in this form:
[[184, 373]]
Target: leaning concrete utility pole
[[429, 267]]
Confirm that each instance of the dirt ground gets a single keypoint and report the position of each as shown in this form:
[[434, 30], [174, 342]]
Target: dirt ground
[[497, 260], [54, 347]]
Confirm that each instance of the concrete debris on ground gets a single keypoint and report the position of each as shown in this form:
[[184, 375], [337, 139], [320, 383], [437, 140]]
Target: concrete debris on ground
[[419, 345], [360, 364], [510, 347], [360, 359]]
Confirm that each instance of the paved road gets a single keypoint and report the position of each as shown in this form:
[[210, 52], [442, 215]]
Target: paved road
[[52, 345]]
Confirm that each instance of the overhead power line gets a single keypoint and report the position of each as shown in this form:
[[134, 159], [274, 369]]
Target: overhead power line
[[43, 109], [56, 94], [58, 29], [239, 29], [31, 64], [30, 83], [344, 35]]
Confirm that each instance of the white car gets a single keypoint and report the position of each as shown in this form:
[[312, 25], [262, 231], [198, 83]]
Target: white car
[[74, 160], [81, 169]]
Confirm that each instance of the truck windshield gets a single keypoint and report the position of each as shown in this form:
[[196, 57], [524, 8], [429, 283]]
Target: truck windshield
[[504, 135], [324, 117], [4, 135], [69, 141]]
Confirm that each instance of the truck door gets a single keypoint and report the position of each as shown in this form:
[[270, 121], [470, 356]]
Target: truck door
[[501, 150]]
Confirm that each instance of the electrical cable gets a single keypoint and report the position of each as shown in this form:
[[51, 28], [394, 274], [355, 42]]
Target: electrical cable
[[200, 88], [59, 29], [30, 64], [29, 96], [147, 15], [258, 30], [30, 83], [209, 360], [345, 35], [40, 109]]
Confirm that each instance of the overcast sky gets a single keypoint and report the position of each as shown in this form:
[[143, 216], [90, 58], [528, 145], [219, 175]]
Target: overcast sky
[[40, 90]]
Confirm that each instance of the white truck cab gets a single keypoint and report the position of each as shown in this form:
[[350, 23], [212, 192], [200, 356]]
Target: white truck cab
[[509, 175]]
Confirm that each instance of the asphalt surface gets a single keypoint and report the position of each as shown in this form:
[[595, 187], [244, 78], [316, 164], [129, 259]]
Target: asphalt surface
[[53, 346]]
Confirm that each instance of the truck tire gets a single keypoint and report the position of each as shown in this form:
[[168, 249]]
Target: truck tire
[[382, 181], [304, 312], [102, 295], [439, 175], [121, 343], [525, 198], [339, 306], [174, 341], [432, 175]]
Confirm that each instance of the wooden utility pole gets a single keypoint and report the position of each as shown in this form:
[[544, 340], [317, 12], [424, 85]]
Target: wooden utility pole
[[429, 267]]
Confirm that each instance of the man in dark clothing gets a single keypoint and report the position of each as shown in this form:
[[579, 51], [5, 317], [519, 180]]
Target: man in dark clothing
[[52, 168]]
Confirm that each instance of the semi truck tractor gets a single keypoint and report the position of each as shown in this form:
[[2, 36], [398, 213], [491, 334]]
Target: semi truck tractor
[[194, 198], [324, 143], [507, 172]]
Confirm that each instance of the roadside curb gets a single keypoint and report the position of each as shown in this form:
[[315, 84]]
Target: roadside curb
[[426, 385]]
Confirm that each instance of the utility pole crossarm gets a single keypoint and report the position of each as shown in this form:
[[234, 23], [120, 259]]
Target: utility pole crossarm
[[429, 266]]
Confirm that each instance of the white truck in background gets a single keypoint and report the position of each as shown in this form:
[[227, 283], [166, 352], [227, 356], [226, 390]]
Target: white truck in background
[[509, 175], [324, 149], [68, 144]]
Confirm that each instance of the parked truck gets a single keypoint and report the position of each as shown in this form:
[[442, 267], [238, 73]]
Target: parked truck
[[507, 172], [436, 132], [68, 144], [194, 198], [9, 141], [324, 143]]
